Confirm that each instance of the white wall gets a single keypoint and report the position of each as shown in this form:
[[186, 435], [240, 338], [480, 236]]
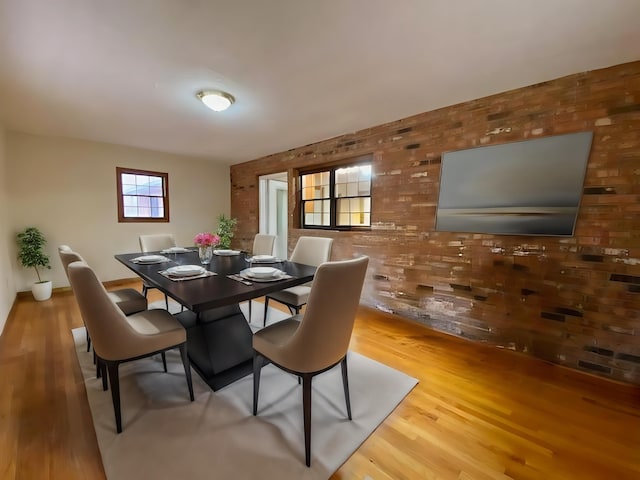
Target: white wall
[[67, 188], [7, 286]]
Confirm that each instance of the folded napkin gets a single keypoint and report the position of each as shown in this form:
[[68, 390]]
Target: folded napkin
[[181, 278]]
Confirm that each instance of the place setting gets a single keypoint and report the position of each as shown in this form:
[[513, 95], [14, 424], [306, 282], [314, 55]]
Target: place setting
[[150, 259], [186, 272], [263, 259], [263, 274]]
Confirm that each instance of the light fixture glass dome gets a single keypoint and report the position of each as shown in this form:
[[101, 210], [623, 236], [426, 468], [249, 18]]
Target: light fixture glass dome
[[216, 100]]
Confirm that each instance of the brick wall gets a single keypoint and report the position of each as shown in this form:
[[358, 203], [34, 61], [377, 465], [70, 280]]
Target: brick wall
[[572, 301]]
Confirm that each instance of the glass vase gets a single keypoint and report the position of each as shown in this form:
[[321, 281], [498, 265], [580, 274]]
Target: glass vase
[[205, 252]]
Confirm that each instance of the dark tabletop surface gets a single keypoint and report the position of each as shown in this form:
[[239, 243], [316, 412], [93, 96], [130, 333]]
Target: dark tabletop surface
[[205, 293]]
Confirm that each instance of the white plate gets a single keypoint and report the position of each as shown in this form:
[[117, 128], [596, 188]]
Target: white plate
[[278, 275], [185, 270], [262, 272], [263, 258], [176, 250], [149, 259], [226, 253]]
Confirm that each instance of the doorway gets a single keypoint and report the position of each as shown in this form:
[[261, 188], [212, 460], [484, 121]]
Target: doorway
[[273, 191]]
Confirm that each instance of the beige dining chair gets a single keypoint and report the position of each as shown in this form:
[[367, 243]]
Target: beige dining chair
[[128, 300], [308, 251], [118, 338], [262, 245], [155, 243], [309, 344]]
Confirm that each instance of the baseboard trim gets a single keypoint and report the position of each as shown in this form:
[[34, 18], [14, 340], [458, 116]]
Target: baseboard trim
[[67, 289]]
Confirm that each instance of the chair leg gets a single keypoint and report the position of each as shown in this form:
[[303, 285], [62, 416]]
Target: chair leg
[[266, 308], [166, 301], [145, 289], [187, 368], [164, 361], [258, 361], [345, 384], [103, 369], [250, 302], [88, 341], [306, 408], [114, 380]]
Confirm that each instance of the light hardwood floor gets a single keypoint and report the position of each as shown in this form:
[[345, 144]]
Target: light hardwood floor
[[477, 413]]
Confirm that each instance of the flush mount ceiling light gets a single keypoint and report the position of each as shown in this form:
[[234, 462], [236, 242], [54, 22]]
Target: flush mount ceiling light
[[215, 99]]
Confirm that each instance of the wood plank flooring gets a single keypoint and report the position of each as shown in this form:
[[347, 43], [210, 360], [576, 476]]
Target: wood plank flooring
[[477, 413]]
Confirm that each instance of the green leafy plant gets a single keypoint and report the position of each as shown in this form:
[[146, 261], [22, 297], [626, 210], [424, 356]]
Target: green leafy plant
[[226, 226], [31, 254]]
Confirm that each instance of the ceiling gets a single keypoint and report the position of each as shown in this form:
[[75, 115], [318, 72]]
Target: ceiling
[[126, 72]]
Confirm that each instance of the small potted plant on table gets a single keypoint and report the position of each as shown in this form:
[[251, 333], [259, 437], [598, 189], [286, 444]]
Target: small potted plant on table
[[30, 253]]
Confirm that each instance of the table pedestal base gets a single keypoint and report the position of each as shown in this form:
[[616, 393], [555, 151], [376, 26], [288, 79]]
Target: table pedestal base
[[219, 344]]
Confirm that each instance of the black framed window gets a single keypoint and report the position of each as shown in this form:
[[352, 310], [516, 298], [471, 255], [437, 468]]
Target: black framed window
[[337, 197], [143, 196]]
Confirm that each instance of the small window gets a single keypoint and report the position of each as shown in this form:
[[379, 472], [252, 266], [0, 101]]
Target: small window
[[143, 196], [337, 197]]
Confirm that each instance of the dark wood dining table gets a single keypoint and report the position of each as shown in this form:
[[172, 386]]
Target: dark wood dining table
[[219, 338]]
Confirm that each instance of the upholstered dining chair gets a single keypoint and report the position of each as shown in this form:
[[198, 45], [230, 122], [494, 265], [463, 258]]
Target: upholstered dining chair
[[308, 251], [128, 300], [262, 245], [309, 344], [154, 243], [118, 338]]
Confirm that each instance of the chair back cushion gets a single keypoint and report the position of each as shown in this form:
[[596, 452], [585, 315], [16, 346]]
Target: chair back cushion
[[153, 243], [112, 336], [263, 244], [323, 336], [312, 250], [68, 256]]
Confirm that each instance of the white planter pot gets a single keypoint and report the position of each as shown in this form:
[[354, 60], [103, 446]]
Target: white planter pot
[[42, 290]]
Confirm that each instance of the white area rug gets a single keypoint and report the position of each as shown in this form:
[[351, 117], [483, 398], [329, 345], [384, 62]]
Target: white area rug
[[165, 436]]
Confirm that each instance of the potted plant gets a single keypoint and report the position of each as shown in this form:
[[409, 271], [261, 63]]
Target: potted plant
[[31, 254], [226, 226]]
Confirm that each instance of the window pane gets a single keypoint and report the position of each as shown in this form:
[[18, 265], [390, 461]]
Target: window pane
[[307, 193], [155, 191], [155, 181], [130, 211], [142, 180], [353, 173], [142, 190], [341, 190], [128, 179], [128, 189], [352, 189], [144, 202], [157, 212], [364, 188], [130, 201], [365, 173], [343, 219]]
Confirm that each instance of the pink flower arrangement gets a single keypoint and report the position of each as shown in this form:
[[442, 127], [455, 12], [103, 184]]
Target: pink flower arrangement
[[206, 239]]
